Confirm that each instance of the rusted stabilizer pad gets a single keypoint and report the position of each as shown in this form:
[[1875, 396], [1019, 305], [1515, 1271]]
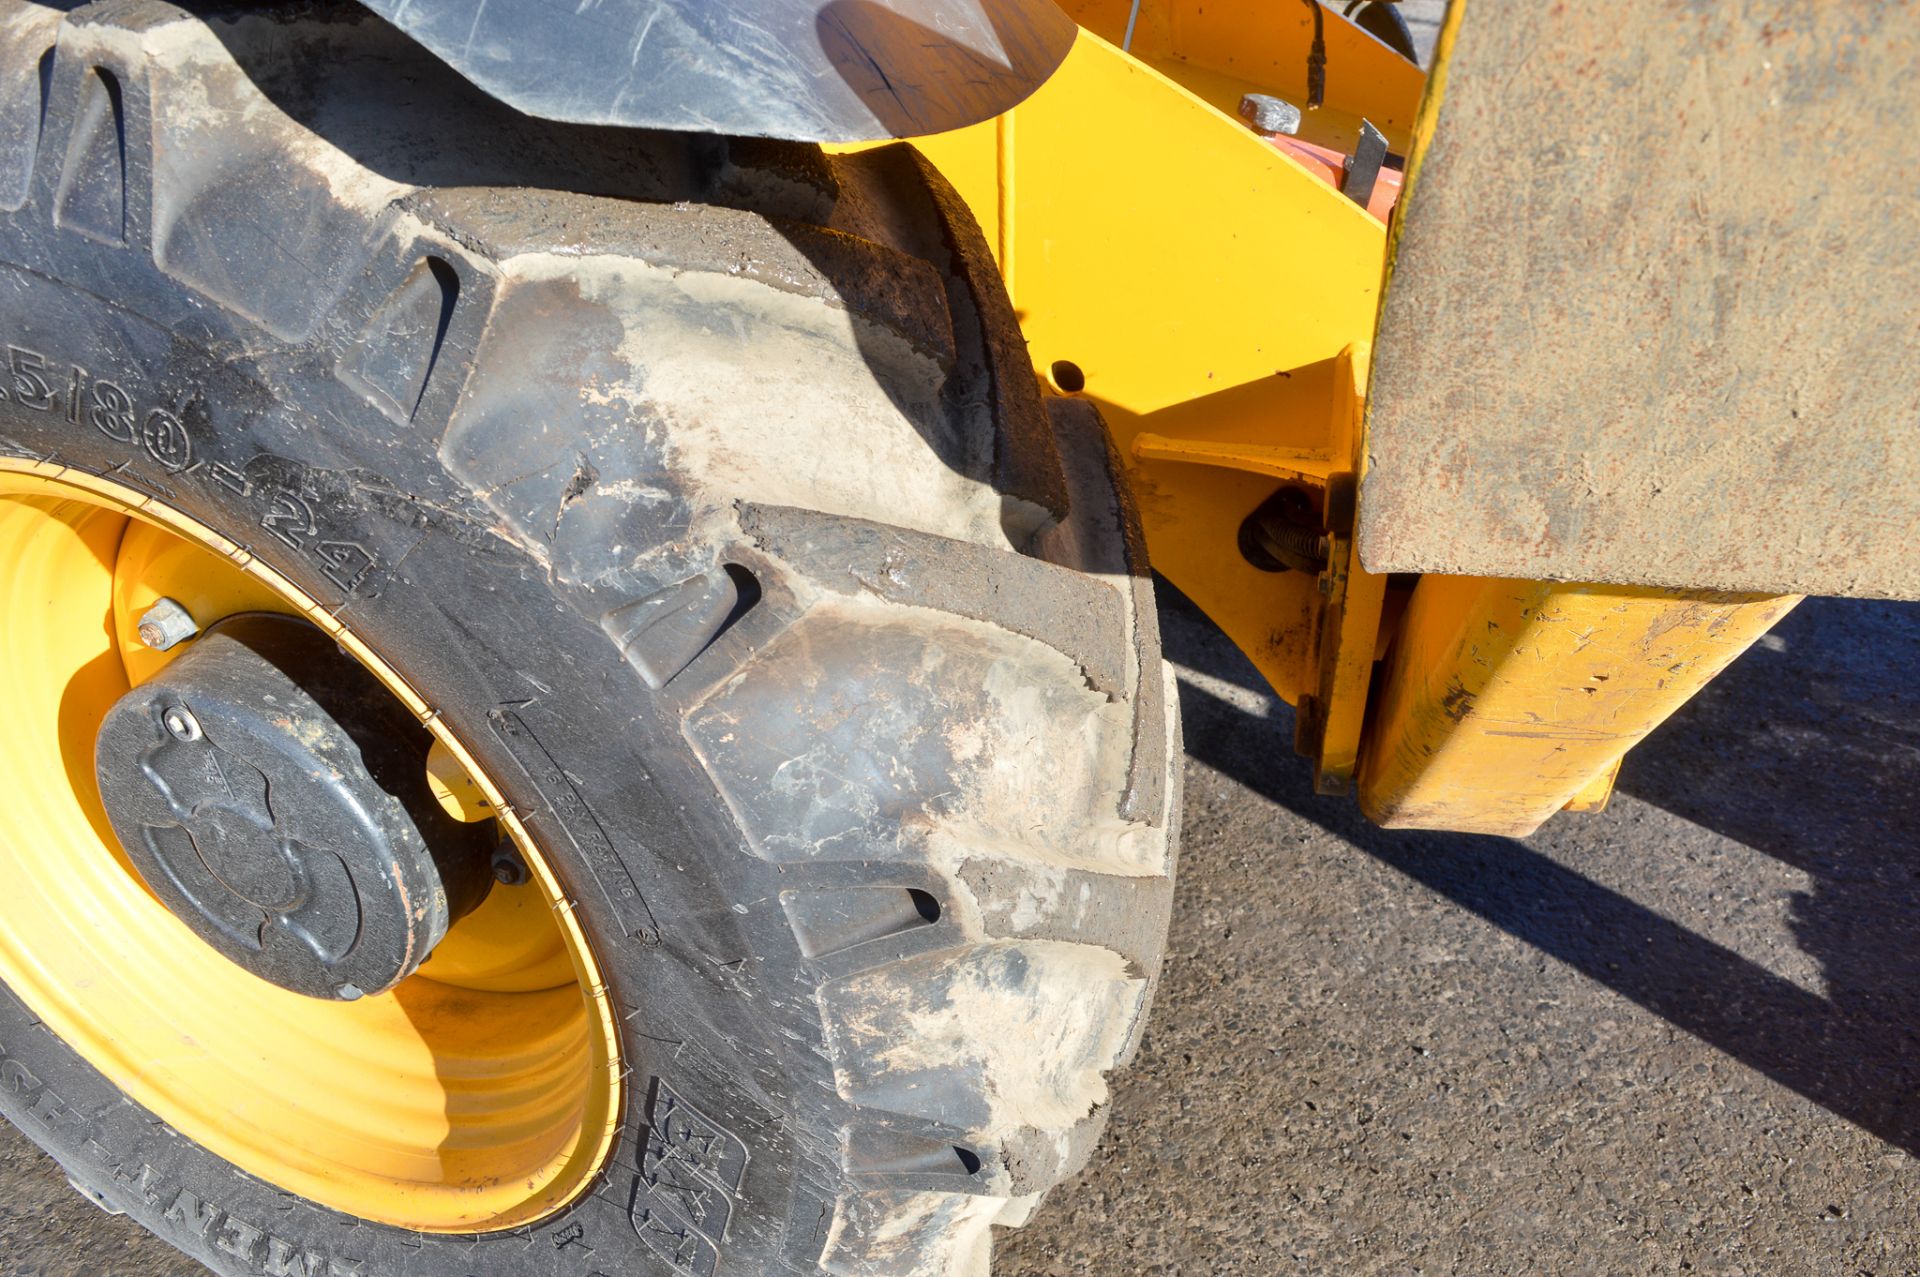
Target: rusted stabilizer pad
[[1506, 701], [1652, 314]]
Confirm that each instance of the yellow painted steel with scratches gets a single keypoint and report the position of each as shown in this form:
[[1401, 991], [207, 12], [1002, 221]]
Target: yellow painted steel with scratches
[[1205, 286], [1505, 700]]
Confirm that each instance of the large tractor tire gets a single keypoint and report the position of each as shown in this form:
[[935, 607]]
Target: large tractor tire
[[787, 773]]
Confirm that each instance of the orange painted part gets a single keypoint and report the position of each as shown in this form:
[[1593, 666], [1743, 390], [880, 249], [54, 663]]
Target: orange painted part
[[1331, 166]]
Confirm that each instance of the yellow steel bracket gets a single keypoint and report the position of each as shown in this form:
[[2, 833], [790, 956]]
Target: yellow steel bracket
[[1329, 720], [1505, 701], [1214, 298], [1345, 622]]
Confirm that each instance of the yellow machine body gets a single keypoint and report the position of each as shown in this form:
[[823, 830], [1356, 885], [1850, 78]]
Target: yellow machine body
[[1218, 300]]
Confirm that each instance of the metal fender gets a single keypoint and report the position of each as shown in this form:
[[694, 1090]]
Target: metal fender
[[813, 70]]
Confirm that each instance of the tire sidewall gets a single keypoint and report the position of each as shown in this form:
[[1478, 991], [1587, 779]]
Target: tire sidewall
[[273, 453]]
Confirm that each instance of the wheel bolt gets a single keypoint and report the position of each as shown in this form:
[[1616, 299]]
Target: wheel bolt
[[180, 723], [509, 870], [166, 625]]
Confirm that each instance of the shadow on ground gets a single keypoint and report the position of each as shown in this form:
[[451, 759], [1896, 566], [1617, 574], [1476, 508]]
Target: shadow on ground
[[1806, 749]]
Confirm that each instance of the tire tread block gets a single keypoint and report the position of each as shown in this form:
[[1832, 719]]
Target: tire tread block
[[876, 729], [27, 36], [1078, 615], [392, 358], [91, 197]]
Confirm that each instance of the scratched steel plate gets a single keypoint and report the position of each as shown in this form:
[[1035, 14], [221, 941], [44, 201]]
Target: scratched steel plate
[[1655, 312]]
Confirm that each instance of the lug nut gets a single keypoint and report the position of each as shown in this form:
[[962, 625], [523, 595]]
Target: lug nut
[[166, 625], [180, 723], [1270, 115], [509, 870]]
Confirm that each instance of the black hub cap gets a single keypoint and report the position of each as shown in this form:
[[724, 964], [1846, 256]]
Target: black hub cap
[[274, 796]]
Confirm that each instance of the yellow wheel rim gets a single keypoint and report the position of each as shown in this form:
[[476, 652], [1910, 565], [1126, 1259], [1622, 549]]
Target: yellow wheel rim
[[481, 1093]]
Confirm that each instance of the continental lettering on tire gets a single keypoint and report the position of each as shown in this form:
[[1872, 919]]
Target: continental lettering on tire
[[17, 1079], [691, 1169], [210, 1225], [142, 1183], [186, 1212]]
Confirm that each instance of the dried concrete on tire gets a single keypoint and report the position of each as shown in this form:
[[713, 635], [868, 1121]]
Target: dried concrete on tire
[[1676, 1037]]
